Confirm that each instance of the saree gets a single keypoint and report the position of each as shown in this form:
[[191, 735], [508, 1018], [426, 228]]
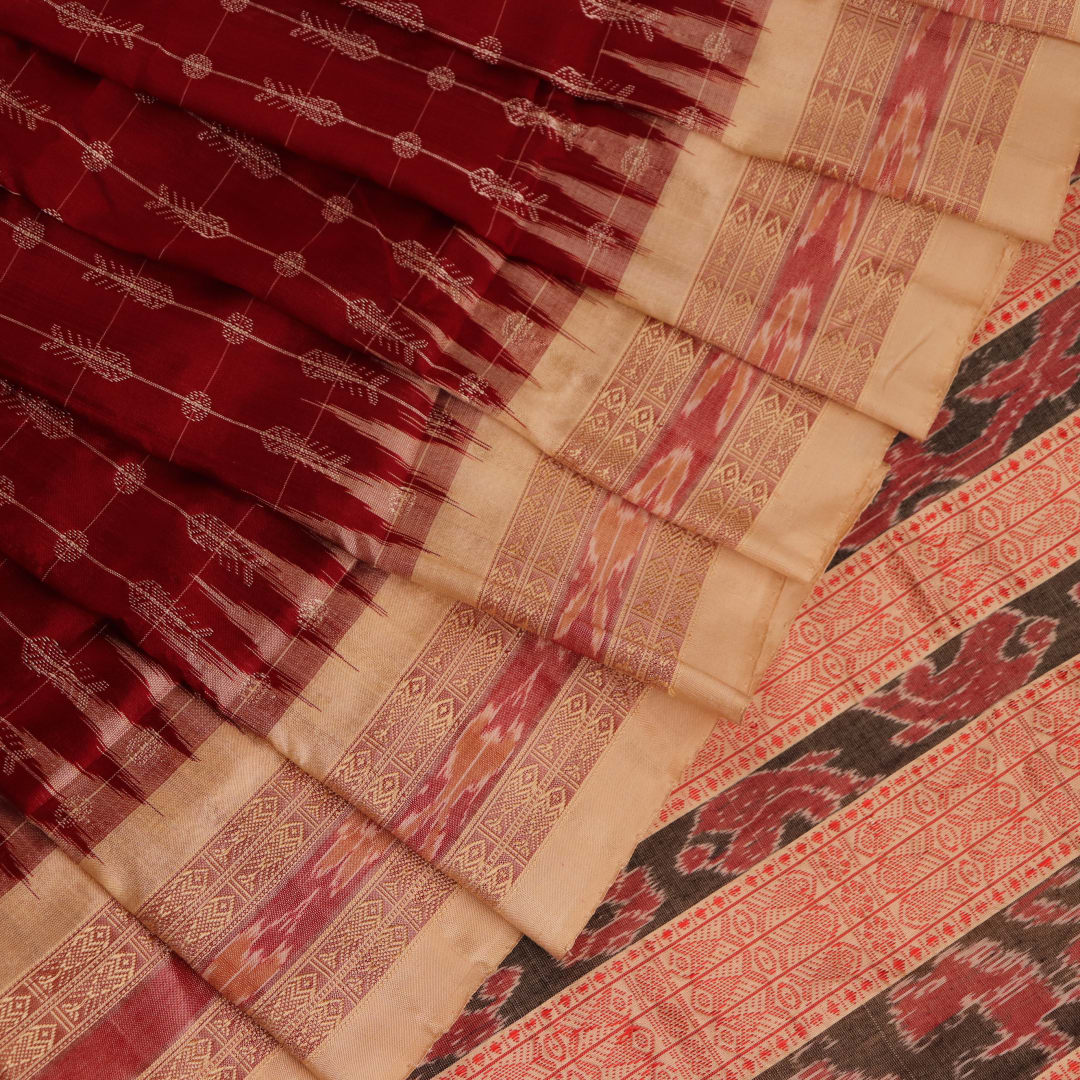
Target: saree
[[418, 450]]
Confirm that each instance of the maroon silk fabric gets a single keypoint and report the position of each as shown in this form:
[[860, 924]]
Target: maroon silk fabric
[[526, 166], [673, 58], [366, 266], [199, 373]]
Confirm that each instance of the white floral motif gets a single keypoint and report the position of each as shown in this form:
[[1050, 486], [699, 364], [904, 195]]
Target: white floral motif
[[71, 545], [289, 263], [336, 209], [488, 49], [406, 144], [441, 78], [197, 66], [196, 406], [129, 477], [237, 328]]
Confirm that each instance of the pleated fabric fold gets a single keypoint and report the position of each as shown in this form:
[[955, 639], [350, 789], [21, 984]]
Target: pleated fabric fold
[[418, 429]]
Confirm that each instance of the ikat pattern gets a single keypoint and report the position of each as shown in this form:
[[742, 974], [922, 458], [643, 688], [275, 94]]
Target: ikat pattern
[[735, 811], [761, 298], [1053, 17], [864, 123], [414, 767], [667, 380], [258, 824], [621, 591]]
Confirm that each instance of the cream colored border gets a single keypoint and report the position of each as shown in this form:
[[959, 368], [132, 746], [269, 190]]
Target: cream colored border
[[41, 913], [1040, 146], [956, 280], [609, 815], [147, 849], [421, 995], [376, 652], [574, 369], [681, 229], [723, 644], [730, 611], [780, 75], [807, 514]]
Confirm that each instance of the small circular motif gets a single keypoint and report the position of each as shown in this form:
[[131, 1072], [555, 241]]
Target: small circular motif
[[601, 234], [234, 5], [196, 66], [488, 49], [129, 477], [237, 328], [71, 546], [309, 613], [716, 47], [473, 388], [515, 327], [196, 406], [28, 233], [336, 209], [406, 144], [289, 263], [97, 156], [690, 117], [441, 78]]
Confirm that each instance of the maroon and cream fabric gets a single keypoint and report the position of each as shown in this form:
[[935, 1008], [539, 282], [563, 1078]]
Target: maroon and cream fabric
[[419, 429]]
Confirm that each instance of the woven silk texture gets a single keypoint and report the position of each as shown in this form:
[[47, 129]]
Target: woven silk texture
[[427, 432]]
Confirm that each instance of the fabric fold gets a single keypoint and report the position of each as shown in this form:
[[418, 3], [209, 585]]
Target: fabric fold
[[844, 88], [485, 751], [418, 429], [141, 1010]]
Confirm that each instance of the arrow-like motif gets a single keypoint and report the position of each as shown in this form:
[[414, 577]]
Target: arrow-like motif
[[109, 364], [185, 212], [77, 16], [624, 14], [351, 43], [225, 545], [46, 418], [412, 255], [508, 194], [342, 373], [257, 158], [122, 279], [318, 110]]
